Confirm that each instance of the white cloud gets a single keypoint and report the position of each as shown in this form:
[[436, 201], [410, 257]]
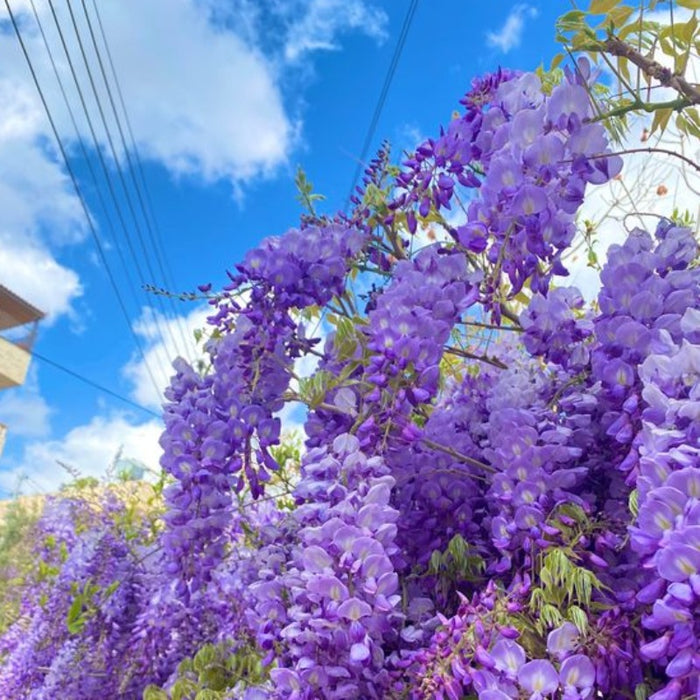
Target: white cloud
[[201, 100], [24, 410], [88, 448], [164, 343], [318, 27], [35, 199], [30, 270], [510, 34]]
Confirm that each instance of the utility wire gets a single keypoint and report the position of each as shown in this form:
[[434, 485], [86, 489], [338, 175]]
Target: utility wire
[[91, 383], [86, 157], [105, 169], [149, 201], [107, 176], [120, 172], [398, 50], [79, 194], [140, 196]]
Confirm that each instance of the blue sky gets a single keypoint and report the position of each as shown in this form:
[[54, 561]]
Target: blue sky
[[226, 98]]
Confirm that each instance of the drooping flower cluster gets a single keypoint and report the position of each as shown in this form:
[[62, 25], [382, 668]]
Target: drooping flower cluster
[[339, 584], [667, 531], [72, 636], [531, 158], [408, 328], [219, 428]]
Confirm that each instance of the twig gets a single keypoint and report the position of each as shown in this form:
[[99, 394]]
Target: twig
[[652, 68], [469, 356], [459, 456]]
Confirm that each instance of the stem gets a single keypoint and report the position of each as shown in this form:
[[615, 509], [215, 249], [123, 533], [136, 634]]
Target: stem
[[469, 356], [493, 326], [510, 315], [677, 104], [459, 456]]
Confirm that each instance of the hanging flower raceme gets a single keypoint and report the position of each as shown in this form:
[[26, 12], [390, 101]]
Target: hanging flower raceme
[[220, 427], [667, 530], [530, 157]]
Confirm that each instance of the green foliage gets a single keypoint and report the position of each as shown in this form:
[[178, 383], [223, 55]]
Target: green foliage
[[552, 77], [620, 36], [212, 672], [564, 592], [82, 483], [348, 335], [642, 692], [456, 565], [314, 389], [86, 603], [16, 560], [634, 503], [683, 218], [306, 196]]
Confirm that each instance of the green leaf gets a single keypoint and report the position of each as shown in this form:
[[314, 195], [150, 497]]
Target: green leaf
[[592, 258], [457, 547], [207, 694], [185, 666], [623, 67], [687, 123], [75, 621], [183, 689], [556, 61], [602, 7], [633, 503], [689, 4], [660, 120], [152, 692], [205, 657], [619, 16], [571, 21], [687, 30], [578, 617], [551, 616], [641, 692]]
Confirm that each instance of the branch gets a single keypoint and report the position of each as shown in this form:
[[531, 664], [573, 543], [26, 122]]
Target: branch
[[492, 326], [459, 456], [512, 317], [653, 69], [469, 356], [677, 105]]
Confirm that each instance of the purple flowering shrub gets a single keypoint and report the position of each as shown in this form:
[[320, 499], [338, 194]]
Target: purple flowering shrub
[[494, 501]]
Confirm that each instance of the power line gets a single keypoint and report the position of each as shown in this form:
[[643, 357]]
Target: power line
[[91, 383], [118, 166], [139, 194], [137, 156], [86, 157], [105, 170], [79, 194], [398, 50]]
